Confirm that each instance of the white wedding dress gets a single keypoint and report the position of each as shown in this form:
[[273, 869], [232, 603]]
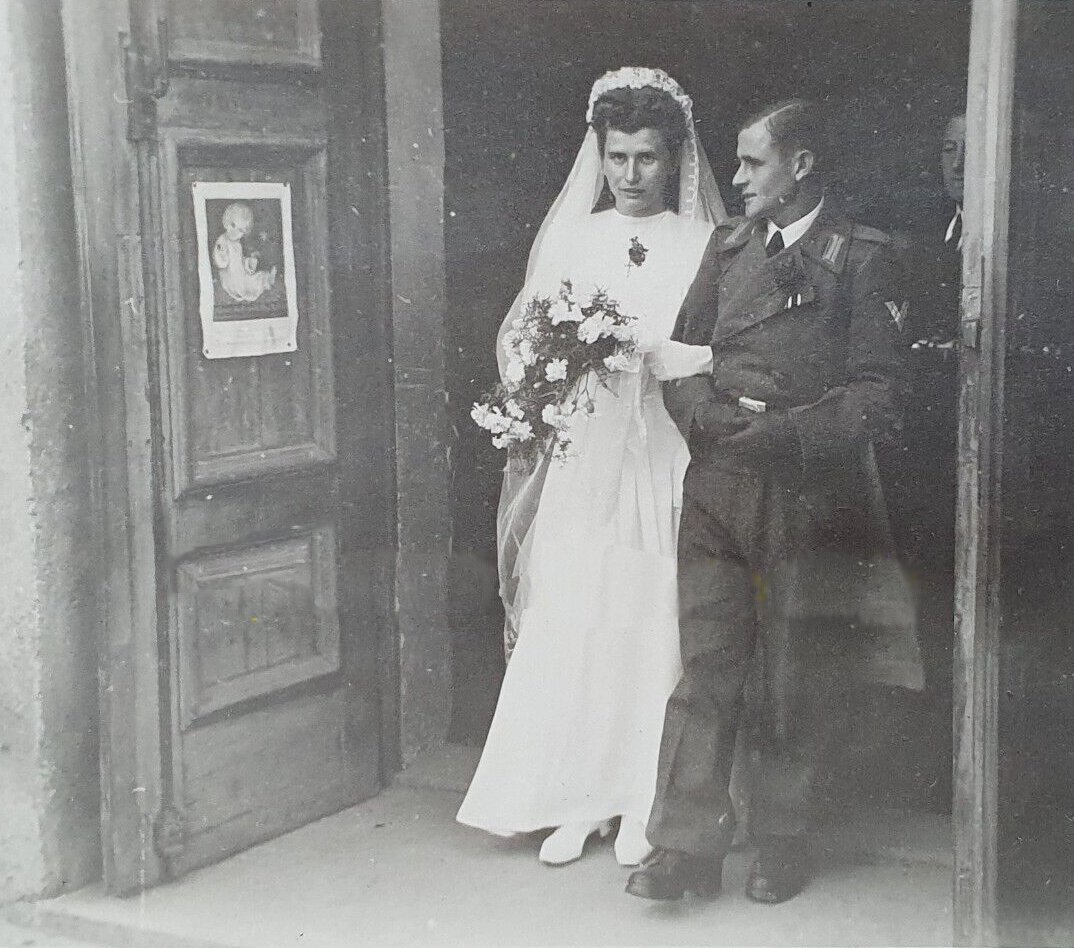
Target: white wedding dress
[[576, 733]]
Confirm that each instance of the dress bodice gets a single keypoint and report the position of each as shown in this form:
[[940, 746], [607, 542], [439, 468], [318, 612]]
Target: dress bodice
[[651, 285]]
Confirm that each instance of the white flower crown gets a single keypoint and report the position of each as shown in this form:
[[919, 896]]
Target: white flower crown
[[638, 77]]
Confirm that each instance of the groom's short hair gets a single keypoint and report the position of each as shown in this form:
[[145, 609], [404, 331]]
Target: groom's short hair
[[794, 124]]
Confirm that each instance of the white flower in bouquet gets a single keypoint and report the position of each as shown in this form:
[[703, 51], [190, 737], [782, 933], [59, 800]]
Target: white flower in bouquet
[[555, 416], [521, 430], [556, 370], [526, 351], [511, 338], [562, 311], [625, 332], [489, 418], [595, 327], [619, 362], [516, 371], [514, 409], [516, 432]]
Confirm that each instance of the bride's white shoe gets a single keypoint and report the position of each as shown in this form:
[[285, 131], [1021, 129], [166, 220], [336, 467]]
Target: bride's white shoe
[[631, 846], [567, 842]]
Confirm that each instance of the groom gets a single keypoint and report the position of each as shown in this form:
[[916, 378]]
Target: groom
[[783, 369]]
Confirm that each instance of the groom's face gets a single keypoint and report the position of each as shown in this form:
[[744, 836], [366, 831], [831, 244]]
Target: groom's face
[[766, 176]]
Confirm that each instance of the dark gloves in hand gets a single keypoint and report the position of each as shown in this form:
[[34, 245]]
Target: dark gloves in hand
[[769, 434]]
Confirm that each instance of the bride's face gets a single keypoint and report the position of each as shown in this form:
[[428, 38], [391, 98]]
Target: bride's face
[[637, 166]]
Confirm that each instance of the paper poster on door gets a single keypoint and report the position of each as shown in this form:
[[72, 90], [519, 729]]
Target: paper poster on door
[[246, 268]]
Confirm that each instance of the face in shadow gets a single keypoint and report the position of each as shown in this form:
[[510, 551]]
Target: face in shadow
[[953, 157]]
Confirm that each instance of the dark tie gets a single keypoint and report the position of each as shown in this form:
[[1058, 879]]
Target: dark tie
[[775, 245]]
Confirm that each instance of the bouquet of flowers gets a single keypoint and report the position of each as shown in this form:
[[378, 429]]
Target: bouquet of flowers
[[555, 348]]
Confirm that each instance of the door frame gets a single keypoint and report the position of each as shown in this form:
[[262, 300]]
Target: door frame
[[115, 67], [983, 313], [123, 480]]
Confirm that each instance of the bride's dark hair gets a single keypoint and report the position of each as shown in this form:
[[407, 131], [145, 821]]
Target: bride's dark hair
[[630, 110]]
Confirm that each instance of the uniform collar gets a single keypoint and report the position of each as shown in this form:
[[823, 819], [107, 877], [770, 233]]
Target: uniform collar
[[794, 232]]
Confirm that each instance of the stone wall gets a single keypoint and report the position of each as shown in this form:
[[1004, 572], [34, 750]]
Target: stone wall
[[49, 793]]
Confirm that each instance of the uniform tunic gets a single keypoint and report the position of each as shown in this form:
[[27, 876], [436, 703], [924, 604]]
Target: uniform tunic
[[784, 550]]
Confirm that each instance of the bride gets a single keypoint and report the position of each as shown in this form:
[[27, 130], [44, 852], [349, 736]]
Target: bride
[[587, 544]]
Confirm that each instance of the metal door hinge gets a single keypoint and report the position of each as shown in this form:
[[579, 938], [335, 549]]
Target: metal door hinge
[[970, 315], [971, 334], [146, 78], [169, 833]]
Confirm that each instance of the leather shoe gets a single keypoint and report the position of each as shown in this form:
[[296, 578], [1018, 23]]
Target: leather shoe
[[779, 872], [668, 874]]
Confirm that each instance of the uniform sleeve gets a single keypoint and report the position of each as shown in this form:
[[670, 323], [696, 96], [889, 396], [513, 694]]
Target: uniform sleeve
[[682, 397], [867, 406]]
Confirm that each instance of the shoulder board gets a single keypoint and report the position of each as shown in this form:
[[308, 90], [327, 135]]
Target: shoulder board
[[871, 234], [829, 245], [733, 234]]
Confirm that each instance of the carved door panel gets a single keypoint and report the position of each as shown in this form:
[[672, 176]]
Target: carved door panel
[[266, 495]]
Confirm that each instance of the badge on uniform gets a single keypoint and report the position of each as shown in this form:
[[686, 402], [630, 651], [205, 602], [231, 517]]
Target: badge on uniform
[[790, 279], [898, 313], [832, 249]]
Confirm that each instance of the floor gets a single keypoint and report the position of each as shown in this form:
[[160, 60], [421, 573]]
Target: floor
[[14, 935], [398, 870]]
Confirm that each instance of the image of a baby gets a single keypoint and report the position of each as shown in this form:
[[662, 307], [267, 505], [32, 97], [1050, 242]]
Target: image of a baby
[[239, 274]]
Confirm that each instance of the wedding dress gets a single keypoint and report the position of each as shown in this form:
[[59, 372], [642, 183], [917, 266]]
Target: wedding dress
[[576, 733], [587, 545]]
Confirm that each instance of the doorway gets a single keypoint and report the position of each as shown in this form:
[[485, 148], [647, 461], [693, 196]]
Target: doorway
[[515, 83]]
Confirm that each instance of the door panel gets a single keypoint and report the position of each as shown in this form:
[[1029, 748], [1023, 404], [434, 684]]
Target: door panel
[[255, 621], [254, 776], [237, 418], [238, 31]]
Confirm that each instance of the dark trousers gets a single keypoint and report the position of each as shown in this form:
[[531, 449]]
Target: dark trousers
[[737, 540]]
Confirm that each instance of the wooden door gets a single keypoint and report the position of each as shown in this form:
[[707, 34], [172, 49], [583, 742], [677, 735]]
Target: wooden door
[[245, 701]]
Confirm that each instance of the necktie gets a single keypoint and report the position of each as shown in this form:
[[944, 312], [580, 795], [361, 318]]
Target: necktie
[[774, 245]]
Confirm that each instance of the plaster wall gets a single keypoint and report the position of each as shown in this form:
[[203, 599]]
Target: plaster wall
[[415, 145], [49, 782]]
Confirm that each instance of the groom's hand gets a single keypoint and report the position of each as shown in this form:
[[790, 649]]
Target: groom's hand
[[670, 360], [769, 435], [716, 421]]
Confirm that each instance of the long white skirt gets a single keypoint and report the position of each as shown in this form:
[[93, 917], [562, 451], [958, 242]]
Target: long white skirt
[[577, 730]]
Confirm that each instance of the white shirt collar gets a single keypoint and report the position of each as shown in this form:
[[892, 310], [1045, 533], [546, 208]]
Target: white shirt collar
[[955, 218], [792, 233]]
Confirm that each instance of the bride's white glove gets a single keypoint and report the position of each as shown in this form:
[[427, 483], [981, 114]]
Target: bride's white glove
[[669, 360]]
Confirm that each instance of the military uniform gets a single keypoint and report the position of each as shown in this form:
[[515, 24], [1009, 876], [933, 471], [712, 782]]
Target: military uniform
[[783, 520], [919, 472], [926, 453]]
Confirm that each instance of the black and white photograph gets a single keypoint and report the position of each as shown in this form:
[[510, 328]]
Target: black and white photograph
[[246, 261], [537, 473]]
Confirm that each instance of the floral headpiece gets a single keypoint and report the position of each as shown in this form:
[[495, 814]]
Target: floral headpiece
[[638, 77]]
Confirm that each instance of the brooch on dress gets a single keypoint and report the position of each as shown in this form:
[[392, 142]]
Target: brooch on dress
[[636, 253]]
